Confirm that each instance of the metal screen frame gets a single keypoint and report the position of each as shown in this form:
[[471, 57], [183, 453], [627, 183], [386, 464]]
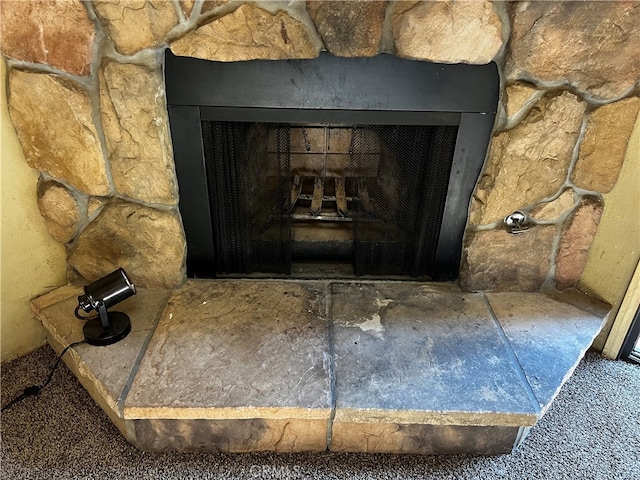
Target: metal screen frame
[[377, 90]]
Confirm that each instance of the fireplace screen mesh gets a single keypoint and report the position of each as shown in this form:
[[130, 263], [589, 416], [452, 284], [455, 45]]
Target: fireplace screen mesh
[[248, 196], [371, 194], [398, 211]]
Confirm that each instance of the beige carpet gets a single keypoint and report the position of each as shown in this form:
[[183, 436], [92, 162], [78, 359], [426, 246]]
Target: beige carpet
[[592, 431]]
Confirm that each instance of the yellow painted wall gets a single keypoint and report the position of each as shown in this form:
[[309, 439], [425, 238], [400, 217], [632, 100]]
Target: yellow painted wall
[[31, 262], [615, 250]]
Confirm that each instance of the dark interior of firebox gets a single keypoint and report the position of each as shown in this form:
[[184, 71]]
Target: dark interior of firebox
[[320, 198]]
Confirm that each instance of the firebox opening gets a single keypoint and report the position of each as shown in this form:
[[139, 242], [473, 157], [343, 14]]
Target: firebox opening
[[331, 166], [369, 196]]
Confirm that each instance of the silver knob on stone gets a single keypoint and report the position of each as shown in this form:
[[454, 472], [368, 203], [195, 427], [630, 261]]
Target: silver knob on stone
[[517, 222]]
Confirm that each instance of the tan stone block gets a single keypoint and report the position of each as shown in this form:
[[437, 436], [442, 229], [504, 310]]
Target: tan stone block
[[56, 296], [94, 204], [530, 161], [349, 28], [207, 5], [136, 24], [604, 146], [598, 50], [60, 210], [57, 33], [517, 96], [53, 119], [148, 243], [187, 6], [249, 33], [421, 439], [550, 211], [447, 31], [135, 123], [576, 238], [232, 435], [499, 261]]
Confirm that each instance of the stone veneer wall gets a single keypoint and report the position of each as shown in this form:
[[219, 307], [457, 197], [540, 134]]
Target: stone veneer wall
[[87, 101]]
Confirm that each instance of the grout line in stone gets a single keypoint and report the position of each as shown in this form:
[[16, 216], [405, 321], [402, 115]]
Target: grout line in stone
[[517, 118], [180, 13], [550, 280], [141, 353], [514, 358], [575, 153], [559, 85], [332, 362]]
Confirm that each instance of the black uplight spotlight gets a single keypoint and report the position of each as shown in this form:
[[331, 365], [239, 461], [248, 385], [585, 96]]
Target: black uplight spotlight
[[106, 328]]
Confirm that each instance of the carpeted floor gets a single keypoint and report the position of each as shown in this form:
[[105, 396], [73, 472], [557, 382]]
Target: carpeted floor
[[592, 431]]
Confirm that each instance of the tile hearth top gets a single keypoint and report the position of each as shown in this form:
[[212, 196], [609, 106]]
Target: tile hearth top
[[237, 350], [407, 367], [423, 355]]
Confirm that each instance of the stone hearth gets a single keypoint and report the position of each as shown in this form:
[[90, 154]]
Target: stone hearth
[[402, 367]]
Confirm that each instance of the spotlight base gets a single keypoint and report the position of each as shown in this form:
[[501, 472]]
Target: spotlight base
[[119, 327]]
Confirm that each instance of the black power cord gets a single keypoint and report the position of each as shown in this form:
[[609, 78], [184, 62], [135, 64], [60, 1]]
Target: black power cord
[[35, 389]]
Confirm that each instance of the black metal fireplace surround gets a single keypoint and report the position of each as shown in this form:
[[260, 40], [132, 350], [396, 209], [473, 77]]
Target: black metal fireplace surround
[[369, 161]]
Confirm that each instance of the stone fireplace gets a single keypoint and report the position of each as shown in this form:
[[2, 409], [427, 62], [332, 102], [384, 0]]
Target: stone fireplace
[[89, 102]]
